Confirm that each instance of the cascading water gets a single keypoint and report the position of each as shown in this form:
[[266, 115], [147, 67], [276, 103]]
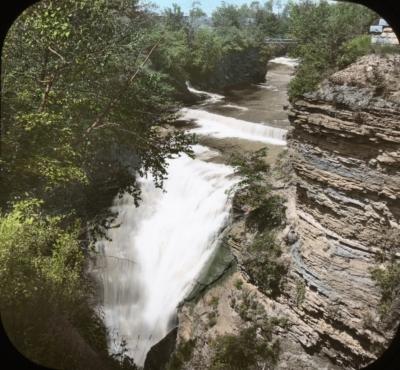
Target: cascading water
[[159, 249], [291, 62], [211, 97], [227, 127], [155, 255]]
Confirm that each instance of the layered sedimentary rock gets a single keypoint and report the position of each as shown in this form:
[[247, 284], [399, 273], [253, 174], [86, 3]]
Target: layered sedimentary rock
[[345, 151]]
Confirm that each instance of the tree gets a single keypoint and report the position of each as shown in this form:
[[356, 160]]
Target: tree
[[321, 29], [78, 94], [83, 114]]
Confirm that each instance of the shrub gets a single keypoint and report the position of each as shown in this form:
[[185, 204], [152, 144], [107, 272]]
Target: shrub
[[239, 284], [300, 292], [254, 189], [247, 350], [182, 354], [264, 265], [214, 301], [388, 281], [269, 214], [353, 49], [387, 277]]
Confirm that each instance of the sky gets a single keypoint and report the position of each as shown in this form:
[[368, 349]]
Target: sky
[[207, 5]]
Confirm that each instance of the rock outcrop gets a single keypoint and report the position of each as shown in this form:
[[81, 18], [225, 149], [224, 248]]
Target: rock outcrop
[[344, 147]]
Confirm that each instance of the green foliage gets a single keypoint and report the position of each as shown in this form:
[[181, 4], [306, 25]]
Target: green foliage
[[250, 349], [81, 90], [214, 301], [300, 292], [181, 354], [264, 265], [387, 275], [239, 284], [213, 314], [38, 256], [388, 281], [269, 214], [83, 105], [204, 49], [248, 307], [322, 30], [254, 191], [44, 292], [266, 213], [353, 49], [206, 52]]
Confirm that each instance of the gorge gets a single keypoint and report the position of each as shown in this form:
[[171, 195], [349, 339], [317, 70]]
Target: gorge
[[338, 202], [342, 216], [160, 248]]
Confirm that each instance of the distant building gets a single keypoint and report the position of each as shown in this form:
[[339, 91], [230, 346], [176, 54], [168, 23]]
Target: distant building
[[382, 33]]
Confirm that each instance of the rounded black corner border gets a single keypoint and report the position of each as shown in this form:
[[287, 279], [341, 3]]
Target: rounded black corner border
[[11, 358]]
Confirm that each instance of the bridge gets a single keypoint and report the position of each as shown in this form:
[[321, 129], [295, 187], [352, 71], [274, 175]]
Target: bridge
[[279, 40]]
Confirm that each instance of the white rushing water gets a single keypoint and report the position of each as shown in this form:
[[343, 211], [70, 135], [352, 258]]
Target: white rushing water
[[291, 62], [266, 86], [211, 97], [234, 106], [219, 126], [160, 248]]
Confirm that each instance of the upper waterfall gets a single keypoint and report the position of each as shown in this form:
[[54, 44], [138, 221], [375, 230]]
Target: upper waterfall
[[220, 126], [211, 97]]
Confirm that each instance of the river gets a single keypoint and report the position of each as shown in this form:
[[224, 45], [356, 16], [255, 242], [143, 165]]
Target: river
[[152, 260]]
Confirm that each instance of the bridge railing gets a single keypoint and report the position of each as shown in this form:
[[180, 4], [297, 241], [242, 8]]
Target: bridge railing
[[279, 40]]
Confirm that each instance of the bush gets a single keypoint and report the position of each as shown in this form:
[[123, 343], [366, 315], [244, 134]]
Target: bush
[[44, 292], [264, 266], [247, 350], [254, 191], [388, 281], [182, 354], [268, 215], [353, 49], [387, 277], [239, 284], [323, 31], [300, 292]]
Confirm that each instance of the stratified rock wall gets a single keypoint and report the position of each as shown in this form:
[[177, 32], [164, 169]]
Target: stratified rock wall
[[344, 146]]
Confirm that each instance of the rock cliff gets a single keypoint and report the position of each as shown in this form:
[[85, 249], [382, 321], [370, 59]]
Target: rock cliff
[[344, 147], [343, 214]]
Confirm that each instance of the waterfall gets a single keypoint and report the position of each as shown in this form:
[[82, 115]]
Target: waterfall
[[157, 250], [235, 106], [211, 97], [227, 127], [291, 62], [160, 248]]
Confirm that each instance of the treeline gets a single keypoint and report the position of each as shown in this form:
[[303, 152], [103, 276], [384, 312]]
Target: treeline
[[208, 50], [329, 37]]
